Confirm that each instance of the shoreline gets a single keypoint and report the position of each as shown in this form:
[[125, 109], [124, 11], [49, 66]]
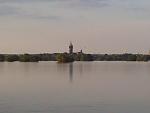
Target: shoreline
[[66, 57]]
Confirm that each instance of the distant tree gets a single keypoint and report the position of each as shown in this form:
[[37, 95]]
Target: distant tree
[[29, 58], [24, 58], [45, 57], [34, 58], [140, 57], [64, 58], [132, 57], [84, 57], [2, 58], [108, 57], [11, 58], [146, 58]]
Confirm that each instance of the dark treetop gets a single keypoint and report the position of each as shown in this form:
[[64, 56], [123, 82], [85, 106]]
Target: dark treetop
[[67, 57]]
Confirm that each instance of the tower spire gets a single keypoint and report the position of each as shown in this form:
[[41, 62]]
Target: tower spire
[[70, 48]]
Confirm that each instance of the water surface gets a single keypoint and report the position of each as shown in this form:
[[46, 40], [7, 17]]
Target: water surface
[[81, 87]]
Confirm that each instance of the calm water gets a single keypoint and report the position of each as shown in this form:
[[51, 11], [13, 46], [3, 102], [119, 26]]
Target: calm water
[[81, 87]]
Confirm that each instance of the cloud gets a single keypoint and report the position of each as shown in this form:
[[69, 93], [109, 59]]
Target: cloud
[[77, 3], [92, 3], [33, 16], [15, 8], [42, 9], [134, 5], [81, 4], [59, 9], [8, 10], [29, 1]]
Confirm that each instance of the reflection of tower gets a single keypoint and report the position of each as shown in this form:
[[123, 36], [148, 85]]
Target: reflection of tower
[[71, 48], [71, 72], [80, 68]]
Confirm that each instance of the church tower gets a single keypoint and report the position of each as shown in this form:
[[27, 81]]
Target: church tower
[[71, 48]]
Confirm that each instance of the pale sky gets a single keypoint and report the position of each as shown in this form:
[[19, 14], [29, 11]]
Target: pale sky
[[96, 26]]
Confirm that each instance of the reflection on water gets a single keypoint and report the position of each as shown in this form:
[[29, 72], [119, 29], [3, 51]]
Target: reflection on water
[[63, 68], [71, 72], [93, 87]]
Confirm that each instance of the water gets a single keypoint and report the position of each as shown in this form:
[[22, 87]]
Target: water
[[81, 87]]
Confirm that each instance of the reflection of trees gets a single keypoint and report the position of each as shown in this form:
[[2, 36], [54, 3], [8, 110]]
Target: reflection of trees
[[81, 68], [71, 72]]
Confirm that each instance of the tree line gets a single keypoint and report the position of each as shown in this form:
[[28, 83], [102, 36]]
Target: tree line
[[66, 57]]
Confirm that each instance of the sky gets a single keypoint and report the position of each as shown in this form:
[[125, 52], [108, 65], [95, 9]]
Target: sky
[[95, 26]]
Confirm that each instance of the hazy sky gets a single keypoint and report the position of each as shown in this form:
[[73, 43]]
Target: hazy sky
[[96, 26]]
